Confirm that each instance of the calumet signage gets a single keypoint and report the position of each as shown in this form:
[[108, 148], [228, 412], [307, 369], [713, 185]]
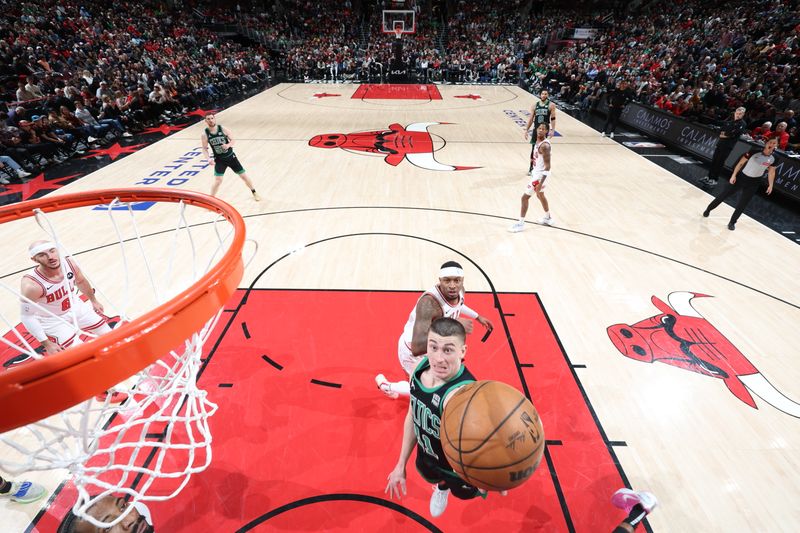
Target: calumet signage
[[701, 141]]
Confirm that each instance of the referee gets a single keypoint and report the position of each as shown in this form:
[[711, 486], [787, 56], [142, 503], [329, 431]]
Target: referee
[[753, 166]]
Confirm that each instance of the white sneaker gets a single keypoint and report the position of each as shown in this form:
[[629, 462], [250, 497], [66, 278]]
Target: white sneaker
[[603, 134], [126, 134], [91, 139], [627, 499], [256, 197], [439, 501], [22, 174], [612, 135], [547, 221], [4, 180], [517, 227], [24, 492], [385, 387]]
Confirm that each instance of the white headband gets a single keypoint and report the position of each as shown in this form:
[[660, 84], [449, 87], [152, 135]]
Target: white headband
[[451, 272], [41, 247], [143, 511]]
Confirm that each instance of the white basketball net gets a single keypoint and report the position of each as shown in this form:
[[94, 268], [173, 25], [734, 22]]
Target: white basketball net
[[148, 446]]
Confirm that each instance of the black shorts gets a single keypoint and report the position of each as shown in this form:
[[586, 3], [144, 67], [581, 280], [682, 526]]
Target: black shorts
[[222, 163], [433, 473]]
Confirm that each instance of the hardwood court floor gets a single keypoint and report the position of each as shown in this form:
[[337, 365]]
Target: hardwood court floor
[[626, 231]]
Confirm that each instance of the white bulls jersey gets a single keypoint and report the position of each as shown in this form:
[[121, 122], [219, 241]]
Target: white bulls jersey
[[56, 294], [450, 311], [538, 160]]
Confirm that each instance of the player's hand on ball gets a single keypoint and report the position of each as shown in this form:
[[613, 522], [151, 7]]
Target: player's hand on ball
[[397, 483]]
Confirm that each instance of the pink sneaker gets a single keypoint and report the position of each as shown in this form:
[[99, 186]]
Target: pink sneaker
[[626, 499]]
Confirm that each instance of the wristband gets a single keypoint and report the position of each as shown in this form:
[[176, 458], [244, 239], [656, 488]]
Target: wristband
[[467, 312]]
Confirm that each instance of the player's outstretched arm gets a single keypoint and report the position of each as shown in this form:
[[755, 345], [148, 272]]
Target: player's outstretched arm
[[482, 320], [396, 485], [485, 322]]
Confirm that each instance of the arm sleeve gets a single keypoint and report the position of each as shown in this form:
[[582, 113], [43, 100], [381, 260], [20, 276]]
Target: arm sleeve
[[31, 322], [467, 312]]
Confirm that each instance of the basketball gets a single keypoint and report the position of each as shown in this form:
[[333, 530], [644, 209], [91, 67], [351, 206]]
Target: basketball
[[492, 435]]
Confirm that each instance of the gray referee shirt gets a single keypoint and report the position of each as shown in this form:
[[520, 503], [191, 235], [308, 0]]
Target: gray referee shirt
[[757, 165]]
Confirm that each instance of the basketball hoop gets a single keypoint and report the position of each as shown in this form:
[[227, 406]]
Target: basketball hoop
[[403, 19], [152, 356]]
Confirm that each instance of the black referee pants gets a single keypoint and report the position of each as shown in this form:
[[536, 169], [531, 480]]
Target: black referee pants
[[747, 185]]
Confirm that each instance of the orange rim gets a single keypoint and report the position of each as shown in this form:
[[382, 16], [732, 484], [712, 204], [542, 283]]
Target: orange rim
[[43, 387]]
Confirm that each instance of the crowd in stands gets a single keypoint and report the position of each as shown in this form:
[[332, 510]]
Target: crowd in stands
[[318, 40], [699, 60], [76, 76]]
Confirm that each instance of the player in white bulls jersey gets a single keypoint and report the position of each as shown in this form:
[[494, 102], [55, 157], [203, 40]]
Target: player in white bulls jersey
[[445, 299], [52, 306], [539, 174]]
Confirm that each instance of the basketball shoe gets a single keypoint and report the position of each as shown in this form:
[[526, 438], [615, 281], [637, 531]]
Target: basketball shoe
[[24, 492], [547, 220], [627, 499], [256, 197], [385, 387], [517, 227], [439, 501]]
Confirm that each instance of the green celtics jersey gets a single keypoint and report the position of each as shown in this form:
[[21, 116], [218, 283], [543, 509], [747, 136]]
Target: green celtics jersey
[[426, 406], [216, 140]]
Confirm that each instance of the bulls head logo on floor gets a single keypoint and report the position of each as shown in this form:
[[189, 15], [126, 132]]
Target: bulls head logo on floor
[[681, 337], [412, 143]]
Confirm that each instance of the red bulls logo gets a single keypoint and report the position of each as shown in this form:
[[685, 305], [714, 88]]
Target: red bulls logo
[[412, 143], [681, 337]]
